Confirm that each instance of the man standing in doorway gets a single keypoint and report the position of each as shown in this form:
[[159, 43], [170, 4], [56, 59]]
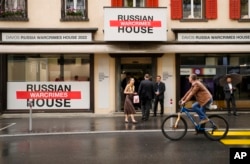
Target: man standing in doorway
[[146, 93], [229, 90], [159, 89]]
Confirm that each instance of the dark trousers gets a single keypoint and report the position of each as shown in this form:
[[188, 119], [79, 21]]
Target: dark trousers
[[232, 101], [146, 105], [157, 100]]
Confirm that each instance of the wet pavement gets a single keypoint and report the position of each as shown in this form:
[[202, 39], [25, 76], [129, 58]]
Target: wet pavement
[[105, 139], [83, 123]]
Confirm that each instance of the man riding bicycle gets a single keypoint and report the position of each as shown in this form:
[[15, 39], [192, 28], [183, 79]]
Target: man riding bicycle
[[202, 95]]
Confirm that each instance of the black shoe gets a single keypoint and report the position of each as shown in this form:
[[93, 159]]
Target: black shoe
[[229, 114], [236, 114], [199, 132]]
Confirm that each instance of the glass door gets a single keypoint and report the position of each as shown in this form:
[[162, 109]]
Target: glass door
[[135, 67]]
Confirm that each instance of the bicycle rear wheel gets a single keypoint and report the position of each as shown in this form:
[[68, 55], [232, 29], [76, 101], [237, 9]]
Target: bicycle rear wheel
[[170, 131], [216, 128]]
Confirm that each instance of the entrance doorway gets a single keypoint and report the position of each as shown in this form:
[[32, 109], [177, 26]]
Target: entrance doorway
[[135, 67]]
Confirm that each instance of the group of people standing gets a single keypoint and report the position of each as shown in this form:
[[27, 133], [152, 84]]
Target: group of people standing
[[147, 91]]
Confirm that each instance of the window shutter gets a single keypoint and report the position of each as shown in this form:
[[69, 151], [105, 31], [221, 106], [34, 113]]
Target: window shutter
[[116, 3], [234, 11], [211, 9], [176, 9], [152, 3]]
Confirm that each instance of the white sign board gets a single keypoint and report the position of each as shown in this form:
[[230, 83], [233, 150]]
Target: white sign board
[[46, 37], [103, 83], [48, 95], [135, 24], [214, 37]]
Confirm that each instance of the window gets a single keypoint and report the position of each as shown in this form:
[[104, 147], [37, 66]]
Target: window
[[218, 65], [239, 9], [193, 9], [245, 9], [45, 67], [74, 10], [13, 10], [134, 3]]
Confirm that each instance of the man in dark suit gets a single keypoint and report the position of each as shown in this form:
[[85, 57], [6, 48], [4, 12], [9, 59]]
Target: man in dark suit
[[159, 89], [229, 90], [146, 93]]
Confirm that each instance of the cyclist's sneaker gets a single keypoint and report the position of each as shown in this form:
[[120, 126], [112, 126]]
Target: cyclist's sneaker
[[204, 121], [212, 107]]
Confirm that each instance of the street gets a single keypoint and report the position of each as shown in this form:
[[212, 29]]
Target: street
[[108, 140], [111, 148]]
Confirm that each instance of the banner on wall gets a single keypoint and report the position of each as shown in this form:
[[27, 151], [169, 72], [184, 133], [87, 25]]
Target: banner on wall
[[48, 95], [135, 24], [198, 71]]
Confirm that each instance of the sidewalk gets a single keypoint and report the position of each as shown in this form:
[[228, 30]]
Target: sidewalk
[[67, 123]]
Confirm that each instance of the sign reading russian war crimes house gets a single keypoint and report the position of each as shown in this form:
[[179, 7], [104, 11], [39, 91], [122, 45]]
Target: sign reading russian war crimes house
[[214, 37], [46, 37], [48, 95], [135, 24]]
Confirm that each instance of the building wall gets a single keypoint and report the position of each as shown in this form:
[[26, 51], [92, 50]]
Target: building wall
[[46, 14]]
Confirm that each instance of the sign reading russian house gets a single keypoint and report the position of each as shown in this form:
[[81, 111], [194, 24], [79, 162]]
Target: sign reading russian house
[[135, 24], [48, 95]]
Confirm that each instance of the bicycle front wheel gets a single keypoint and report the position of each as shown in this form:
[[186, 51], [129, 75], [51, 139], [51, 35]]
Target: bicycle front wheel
[[174, 129], [216, 128]]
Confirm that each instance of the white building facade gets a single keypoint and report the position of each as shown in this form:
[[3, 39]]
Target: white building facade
[[75, 55]]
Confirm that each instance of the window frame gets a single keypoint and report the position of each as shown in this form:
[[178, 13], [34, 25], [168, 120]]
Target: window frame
[[192, 11], [134, 2], [14, 14], [77, 16], [248, 14]]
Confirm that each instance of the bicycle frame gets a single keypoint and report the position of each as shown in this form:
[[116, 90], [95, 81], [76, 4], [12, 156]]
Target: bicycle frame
[[187, 112], [175, 127]]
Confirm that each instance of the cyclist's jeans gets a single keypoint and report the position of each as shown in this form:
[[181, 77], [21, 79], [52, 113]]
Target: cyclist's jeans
[[200, 110]]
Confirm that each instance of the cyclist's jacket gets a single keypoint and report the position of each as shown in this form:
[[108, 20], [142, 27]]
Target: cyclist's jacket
[[200, 92]]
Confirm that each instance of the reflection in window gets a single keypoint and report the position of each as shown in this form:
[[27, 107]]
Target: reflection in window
[[74, 10], [223, 64], [72, 67], [13, 8], [192, 9], [134, 3], [245, 6]]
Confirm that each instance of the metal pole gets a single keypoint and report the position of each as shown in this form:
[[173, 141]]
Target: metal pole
[[30, 116]]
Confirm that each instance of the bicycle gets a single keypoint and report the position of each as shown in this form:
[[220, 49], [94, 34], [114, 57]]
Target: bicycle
[[174, 127]]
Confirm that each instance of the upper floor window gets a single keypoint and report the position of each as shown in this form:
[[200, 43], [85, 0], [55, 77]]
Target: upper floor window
[[193, 9], [239, 9], [245, 9], [13, 10], [134, 3], [74, 10]]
